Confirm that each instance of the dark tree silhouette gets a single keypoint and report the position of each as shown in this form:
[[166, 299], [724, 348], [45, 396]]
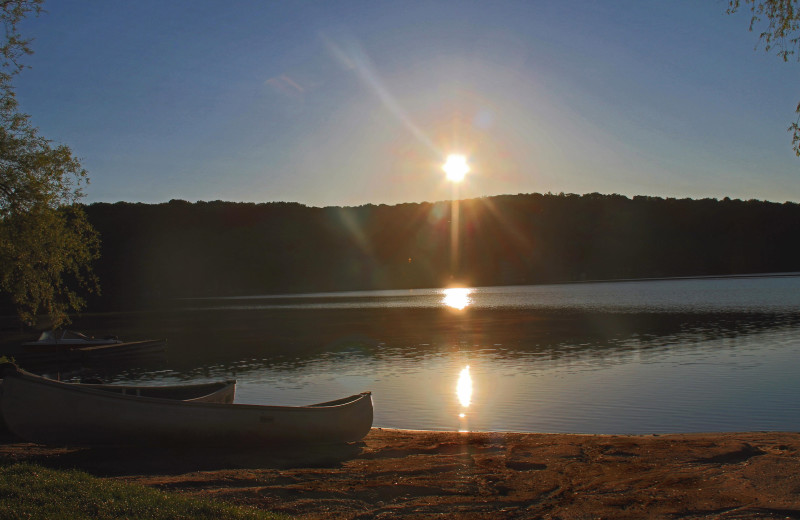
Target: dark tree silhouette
[[152, 253]]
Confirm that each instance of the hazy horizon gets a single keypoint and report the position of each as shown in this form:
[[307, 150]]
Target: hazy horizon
[[342, 104], [440, 201]]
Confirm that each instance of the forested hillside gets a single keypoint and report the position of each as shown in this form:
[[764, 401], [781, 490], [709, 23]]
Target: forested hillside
[[178, 249]]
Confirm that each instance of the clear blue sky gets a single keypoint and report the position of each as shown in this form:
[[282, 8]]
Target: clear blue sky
[[347, 103]]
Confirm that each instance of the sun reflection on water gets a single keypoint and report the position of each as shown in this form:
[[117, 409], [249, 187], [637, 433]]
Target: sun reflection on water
[[457, 297], [464, 393], [464, 388]]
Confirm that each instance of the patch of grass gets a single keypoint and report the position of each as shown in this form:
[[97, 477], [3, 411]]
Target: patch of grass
[[33, 492]]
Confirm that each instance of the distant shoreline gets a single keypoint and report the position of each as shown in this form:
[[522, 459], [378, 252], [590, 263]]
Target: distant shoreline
[[698, 277], [158, 253], [791, 274]]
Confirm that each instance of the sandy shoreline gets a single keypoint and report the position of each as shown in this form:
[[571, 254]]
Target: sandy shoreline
[[422, 474]]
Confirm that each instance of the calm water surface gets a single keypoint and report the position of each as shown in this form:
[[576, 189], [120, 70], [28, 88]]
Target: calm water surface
[[624, 357]]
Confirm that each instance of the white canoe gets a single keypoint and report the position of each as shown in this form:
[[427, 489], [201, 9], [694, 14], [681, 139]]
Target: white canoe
[[50, 412]]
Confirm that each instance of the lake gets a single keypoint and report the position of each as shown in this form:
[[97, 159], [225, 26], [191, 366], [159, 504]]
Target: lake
[[688, 355]]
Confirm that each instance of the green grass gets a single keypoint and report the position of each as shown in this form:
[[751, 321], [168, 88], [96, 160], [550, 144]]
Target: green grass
[[33, 492]]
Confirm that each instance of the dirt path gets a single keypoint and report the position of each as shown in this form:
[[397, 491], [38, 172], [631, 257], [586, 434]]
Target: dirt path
[[478, 475]]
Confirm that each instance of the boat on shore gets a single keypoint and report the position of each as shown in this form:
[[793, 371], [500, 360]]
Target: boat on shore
[[222, 392], [68, 346], [70, 339], [50, 412]]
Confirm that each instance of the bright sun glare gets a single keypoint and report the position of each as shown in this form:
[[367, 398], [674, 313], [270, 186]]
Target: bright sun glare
[[456, 168], [457, 297]]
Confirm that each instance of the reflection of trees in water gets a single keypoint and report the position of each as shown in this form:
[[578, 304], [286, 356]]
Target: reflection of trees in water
[[212, 344], [597, 338]]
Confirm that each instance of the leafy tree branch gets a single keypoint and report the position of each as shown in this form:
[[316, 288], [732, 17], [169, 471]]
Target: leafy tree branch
[[46, 243], [781, 35]]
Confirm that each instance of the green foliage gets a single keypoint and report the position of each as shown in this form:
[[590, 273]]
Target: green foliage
[[33, 492], [46, 242], [782, 35], [783, 22]]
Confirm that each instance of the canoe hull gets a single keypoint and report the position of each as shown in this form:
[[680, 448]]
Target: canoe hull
[[49, 412]]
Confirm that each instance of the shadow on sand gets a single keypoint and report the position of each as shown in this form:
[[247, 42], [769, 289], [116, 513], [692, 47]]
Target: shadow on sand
[[113, 461]]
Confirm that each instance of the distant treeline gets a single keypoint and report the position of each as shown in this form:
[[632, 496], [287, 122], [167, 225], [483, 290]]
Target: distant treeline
[[178, 249]]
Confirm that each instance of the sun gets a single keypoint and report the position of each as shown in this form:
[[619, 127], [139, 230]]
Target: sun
[[456, 167]]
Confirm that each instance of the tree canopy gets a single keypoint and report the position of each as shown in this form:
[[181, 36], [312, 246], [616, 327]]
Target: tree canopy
[[155, 254], [781, 35], [46, 242]]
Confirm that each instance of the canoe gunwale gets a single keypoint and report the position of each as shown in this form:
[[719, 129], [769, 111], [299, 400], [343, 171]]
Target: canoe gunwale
[[210, 387], [220, 391], [341, 403]]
